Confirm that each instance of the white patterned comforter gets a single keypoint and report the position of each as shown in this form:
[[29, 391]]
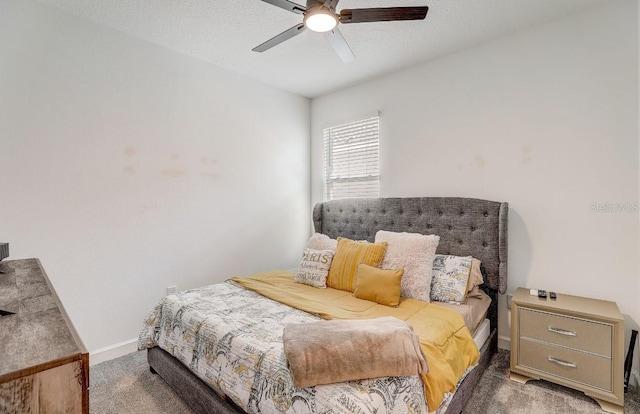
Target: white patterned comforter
[[231, 338]]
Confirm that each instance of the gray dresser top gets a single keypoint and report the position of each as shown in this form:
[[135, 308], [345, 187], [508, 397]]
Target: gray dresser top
[[39, 332]]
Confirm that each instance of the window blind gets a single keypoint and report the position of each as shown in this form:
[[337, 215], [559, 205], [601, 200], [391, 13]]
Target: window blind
[[351, 160]]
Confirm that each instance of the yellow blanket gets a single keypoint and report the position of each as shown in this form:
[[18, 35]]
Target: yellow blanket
[[444, 338]]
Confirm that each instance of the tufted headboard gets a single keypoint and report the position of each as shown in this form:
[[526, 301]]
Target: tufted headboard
[[466, 226]]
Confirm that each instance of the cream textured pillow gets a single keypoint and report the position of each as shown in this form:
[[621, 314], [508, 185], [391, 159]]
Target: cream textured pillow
[[414, 253], [349, 255], [320, 241], [378, 285], [314, 268], [450, 278]]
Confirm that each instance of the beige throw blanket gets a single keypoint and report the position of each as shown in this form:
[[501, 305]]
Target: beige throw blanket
[[332, 351]]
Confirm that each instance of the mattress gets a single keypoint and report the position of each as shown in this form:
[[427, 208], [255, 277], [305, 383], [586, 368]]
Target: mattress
[[473, 310], [482, 333]]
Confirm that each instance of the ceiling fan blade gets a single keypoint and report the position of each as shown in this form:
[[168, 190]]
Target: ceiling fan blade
[[287, 5], [382, 14], [276, 40], [339, 45]]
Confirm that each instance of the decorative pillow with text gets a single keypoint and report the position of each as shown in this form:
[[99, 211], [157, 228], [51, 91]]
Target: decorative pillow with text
[[314, 268]]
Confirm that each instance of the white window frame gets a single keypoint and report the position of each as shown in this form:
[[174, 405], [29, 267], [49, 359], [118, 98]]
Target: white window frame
[[352, 159]]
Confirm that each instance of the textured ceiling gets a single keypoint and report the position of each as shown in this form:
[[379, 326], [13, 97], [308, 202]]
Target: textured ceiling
[[224, 32]]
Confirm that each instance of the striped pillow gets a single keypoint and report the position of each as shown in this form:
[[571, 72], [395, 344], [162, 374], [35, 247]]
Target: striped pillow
[[349, 254]]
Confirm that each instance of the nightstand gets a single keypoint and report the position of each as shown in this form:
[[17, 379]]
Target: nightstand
[[572, 341]]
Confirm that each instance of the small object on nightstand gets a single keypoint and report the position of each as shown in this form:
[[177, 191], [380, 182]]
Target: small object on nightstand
[[542, 294], [533, 292], [552, 295]]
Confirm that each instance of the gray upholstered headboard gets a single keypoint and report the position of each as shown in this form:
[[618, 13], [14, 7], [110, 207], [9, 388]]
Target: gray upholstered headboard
[[466, 226]]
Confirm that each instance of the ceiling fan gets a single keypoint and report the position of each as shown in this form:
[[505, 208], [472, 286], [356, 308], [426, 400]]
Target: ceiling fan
[[321, 16]]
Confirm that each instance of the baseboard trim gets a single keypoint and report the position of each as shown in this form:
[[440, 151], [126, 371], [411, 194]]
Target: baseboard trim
[[114, 351], [504, 342]]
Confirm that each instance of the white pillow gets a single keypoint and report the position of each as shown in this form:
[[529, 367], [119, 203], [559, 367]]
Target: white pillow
[[322, 242], [450, 278], [414, 253], [314, 268]]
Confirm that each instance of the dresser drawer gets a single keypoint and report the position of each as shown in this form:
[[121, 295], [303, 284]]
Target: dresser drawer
[[565, 363], [567, 331]]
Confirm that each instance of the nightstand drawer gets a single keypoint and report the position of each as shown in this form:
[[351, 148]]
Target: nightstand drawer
[[567, 331], [565, 363]]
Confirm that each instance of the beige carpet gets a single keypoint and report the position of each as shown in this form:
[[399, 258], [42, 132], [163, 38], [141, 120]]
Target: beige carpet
[[496, 394], [125, 385]]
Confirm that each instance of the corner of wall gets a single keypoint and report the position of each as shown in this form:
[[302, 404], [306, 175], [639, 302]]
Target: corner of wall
[[113, 351]]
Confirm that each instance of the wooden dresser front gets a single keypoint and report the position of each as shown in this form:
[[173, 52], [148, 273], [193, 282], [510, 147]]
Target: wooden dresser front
[[572, 341], [44, 366]]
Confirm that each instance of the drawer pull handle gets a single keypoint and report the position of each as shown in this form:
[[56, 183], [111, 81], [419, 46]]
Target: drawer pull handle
[[561, 331], [561, 362]]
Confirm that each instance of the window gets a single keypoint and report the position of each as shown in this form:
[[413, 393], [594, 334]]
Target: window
[[351, 160]]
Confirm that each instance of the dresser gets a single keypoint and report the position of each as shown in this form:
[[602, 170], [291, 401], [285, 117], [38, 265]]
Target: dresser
[[572, 341], [44, 367]]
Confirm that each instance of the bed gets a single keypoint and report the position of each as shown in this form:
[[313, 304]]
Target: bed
[[466, 227]]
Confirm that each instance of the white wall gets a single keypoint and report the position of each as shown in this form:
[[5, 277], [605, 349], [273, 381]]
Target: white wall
[[127, 168], [545, 119], [637, 327]]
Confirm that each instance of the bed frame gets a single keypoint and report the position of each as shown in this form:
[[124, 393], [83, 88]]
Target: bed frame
[[466, 226]]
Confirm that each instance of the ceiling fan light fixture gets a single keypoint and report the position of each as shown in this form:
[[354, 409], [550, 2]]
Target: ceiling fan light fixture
[[320, 20]]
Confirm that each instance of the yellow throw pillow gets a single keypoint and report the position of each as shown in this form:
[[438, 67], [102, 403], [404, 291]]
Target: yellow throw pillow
[[349, 254], [378, 285]]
